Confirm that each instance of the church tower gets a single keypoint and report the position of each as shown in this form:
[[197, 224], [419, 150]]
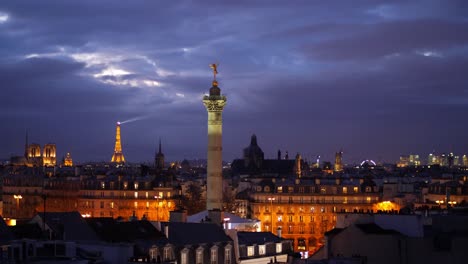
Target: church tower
[[159, 159], [118, 156], [214, 103], [339, 161]]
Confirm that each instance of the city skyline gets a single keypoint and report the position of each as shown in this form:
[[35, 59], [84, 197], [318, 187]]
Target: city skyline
[[372, 79]]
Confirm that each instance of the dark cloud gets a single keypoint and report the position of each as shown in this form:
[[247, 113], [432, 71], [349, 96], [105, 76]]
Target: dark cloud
[[373, 78], [389, 38]]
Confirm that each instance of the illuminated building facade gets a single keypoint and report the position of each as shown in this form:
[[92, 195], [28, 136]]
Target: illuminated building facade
[[68, 161], [49, 155], [24, 194], [214, 103], [409, 160], [118, 156], [35, 157], [305, 209]]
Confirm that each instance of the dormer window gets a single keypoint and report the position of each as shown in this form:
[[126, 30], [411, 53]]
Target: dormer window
[[279, 247], [214, 256], [227, 254], [167, 253], [184, 256], [250, 251], [199, 256], [261, 249]]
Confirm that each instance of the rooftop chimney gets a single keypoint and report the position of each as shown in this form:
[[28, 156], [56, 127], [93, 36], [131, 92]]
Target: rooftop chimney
[[178, 216]]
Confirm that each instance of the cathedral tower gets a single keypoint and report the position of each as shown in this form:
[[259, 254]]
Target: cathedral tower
[[159, 159], [214, 103], [118, 156]]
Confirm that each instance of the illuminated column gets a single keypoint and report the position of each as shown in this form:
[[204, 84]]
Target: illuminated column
[[214, 104], [118, 156]]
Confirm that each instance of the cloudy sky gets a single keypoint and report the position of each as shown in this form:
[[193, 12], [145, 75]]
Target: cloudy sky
[[374, 79]]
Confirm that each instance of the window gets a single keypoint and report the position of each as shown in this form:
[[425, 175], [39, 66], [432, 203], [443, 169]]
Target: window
[[368, 189], [323, 190], [267, 189], [301, 218], [102, 204], [153, 253], [355, 189], [261, 249], [227, 255], [279, 247], [214, 256], [184, 257], [161, 194], [146, 194], [167, 253], [103, 185], [280, 189], [199, 256], [280, 218], [135, 204], [290, 189], [136, 195], [345, 189], [290, 218], [250, 251], [136, 185]]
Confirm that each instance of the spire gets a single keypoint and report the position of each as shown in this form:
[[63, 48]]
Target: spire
[[253, 140], [159, 146]]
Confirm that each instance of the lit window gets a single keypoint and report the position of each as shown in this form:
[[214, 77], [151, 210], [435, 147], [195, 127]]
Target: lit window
[[280, 218], [250, 251], [280, 189], [167, 253], [125, 185], [261, 249], [199, 257], [227, 255], [161, 194], [112, 205], [355, 189], [323, 190], [136, 185], [184, 257], [279, 247], [136, 195], [135, 204], [214, 256], [168, 194], [146, 194], [103, 185], [345, 189]]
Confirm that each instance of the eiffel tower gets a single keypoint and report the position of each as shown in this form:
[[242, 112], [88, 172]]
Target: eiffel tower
[[118, 156]]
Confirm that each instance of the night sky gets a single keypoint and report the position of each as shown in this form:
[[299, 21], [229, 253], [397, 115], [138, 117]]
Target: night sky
[[376, 80]]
